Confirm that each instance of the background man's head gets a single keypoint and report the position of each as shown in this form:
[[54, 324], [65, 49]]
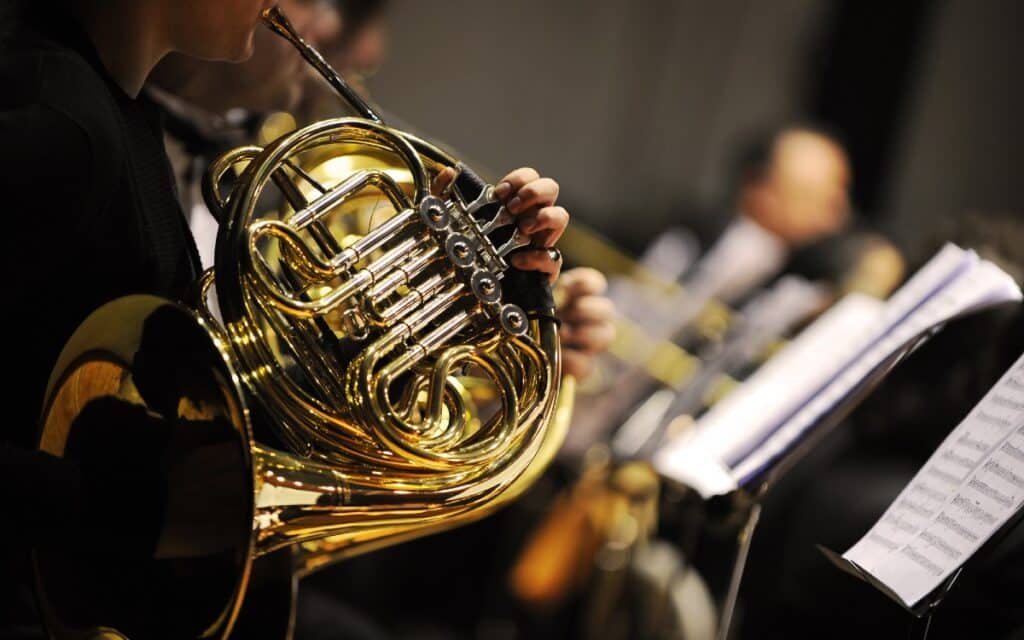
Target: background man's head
[[795, 183]]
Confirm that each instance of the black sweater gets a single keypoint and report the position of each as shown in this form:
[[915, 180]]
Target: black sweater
[[91, 215]]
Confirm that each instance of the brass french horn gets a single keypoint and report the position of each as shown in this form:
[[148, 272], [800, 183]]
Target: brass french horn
[[326, 400]]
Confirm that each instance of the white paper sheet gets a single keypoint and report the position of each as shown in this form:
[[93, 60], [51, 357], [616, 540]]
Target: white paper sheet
[[971, 485], [981, 284], [744, 417], [774, 409], [769, 316]]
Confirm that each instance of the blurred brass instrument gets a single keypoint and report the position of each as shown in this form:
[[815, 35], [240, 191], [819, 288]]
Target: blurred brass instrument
[[356, 355], [596, 544]]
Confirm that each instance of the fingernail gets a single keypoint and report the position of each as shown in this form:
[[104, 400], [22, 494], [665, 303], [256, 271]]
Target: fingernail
[[503, 190], [514, 204]]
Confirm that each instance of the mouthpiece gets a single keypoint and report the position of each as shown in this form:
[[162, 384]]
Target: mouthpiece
[[278, 22]]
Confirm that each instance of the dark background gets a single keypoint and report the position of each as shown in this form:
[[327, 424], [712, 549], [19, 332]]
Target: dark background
[[635, 107]]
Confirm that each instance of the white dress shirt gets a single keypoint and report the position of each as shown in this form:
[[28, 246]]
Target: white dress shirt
[[745, 257]]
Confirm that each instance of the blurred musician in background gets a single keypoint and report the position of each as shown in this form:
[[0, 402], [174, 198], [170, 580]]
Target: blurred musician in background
[[789, 215], [843, 486], [792, 197], [794, 216], [832, 497], [586, 314]]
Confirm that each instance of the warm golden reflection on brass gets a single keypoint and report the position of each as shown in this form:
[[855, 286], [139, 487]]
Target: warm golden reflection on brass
[[396, 390]]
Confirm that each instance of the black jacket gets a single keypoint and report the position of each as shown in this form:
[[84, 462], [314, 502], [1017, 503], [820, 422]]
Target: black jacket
[[90, 215]]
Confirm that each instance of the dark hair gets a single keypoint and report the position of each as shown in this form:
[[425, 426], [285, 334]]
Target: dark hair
[[754, 153]]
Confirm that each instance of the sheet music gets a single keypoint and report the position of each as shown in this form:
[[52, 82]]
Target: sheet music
[[981, 284], [768, 316], [969, 488], [741, 419], [780, 403]]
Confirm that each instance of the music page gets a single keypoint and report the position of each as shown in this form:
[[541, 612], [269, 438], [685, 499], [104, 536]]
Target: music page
[[967, 490], [981, 284], [744, 417]]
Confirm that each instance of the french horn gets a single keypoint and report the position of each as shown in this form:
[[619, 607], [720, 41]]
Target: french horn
[[326, 399]]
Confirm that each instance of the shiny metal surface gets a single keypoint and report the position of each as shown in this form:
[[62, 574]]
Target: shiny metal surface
[[361, 381], [278, 22], [142, 392]]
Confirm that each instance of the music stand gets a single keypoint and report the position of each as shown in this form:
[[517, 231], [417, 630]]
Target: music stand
[[764, 480], [748, 496], [924, 610]]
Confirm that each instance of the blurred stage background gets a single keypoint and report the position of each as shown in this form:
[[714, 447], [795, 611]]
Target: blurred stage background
[[636, 107]]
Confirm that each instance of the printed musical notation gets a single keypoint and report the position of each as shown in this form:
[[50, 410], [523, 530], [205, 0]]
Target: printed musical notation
[[743, 436], [971, 485]]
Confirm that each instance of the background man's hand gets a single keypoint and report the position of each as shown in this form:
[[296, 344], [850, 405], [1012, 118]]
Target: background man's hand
[[587, 319]]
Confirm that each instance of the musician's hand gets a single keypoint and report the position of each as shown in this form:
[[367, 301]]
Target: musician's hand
[[531, 199], [587, 319]]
